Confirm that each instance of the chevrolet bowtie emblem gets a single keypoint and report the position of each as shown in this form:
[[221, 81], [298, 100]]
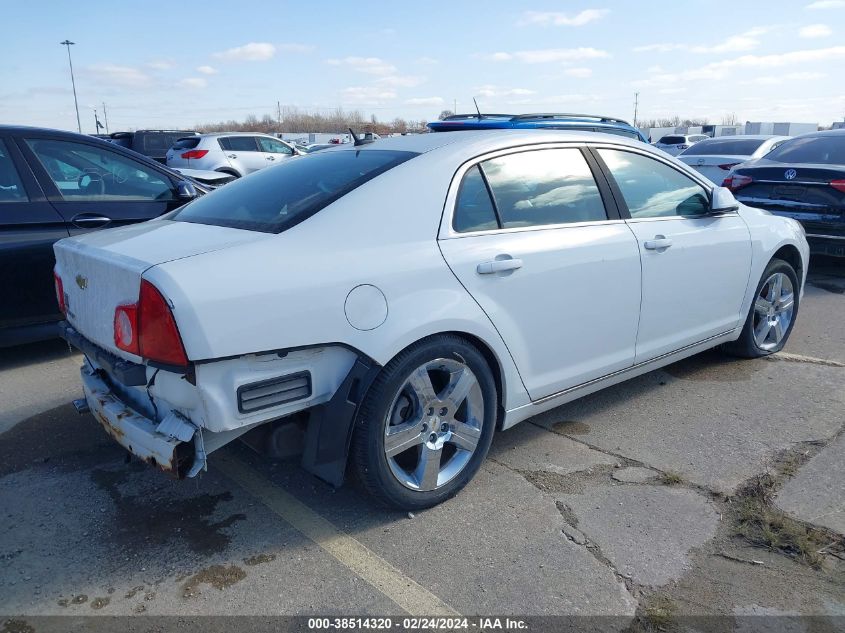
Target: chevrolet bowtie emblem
[[82, 282]]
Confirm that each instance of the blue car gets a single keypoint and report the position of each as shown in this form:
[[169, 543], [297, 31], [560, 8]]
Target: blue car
[[580, 122]]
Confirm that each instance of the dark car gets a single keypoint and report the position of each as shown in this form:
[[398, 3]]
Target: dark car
[[544, 121], [152, 143], [804, 179], [54, 184]]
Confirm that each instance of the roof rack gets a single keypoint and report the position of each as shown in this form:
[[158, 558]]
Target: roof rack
[[561, 115], [465, 117]]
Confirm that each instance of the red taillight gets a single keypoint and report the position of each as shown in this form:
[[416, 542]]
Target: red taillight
[[839, 185], [60, 292], [148, 329], [728, 166], [195, 153], [737, 182]]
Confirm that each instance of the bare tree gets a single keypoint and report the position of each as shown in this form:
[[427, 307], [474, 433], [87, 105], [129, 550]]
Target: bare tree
[[444, 114]]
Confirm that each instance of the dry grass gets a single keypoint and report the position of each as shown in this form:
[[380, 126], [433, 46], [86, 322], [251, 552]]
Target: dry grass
[[658, 613], [671, 478]]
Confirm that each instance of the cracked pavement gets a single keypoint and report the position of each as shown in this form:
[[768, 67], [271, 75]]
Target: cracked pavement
[[599, 507]]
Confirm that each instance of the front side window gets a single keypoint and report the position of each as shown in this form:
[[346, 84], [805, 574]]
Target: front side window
[[87, 173], [652, 189], [273, 200], [553, 186], [11, 187], [273, 146]]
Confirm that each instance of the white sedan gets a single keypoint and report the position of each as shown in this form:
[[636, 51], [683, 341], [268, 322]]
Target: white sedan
[[404, 299]]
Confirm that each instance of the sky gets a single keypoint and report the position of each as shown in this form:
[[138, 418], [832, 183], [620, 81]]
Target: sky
[[179, 64]]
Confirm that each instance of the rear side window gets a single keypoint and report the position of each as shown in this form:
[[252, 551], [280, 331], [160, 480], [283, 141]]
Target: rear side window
[[652, 189], [273, 200], [811, 149], [11, 187], [673, 140], [187, 143], [735, 147], [553, 186], [160, 142], [474, 210], [239, 143]]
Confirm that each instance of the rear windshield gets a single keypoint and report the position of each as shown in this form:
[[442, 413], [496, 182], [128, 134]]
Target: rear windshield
[[275, 199], [741, 147], [673, 140], [187, 143], [811, 149]]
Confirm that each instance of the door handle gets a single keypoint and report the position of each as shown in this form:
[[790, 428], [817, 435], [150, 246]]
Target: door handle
[[498, 266], [271, 158], [659, 243], [231, 155], [89, 221]]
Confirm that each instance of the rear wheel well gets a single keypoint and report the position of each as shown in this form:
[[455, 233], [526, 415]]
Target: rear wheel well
[[231, 172], [791, 256]]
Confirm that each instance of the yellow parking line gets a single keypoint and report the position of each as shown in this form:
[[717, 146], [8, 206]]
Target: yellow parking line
[[366, 564], [798, 358]]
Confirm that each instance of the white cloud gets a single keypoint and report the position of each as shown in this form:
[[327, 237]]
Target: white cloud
[[367, 95], [193, 82], [252, 52], [161, 64], [815, 31], [369, 65], [293, 47], [827, 4], [555, 18], [735, 44], [207, 70], [548, 55], [581, 73], [488, 90], [427, 60], [400, 81], [779, 79], [425, 101], [121, 75]]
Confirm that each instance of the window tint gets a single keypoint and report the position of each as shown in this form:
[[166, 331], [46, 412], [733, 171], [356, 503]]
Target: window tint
[[653, 189], [553, 186], [11, 187], [187, 143], [811, 149], [272, 200], [474, 209], [95, 174], [730, 147], [273, 146], [239, 143], [672, 140]]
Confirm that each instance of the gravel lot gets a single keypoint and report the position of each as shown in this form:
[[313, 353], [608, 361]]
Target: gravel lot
[[639, 502]]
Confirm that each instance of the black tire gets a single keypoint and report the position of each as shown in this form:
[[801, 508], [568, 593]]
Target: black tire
[[367, 454], [746, 345]]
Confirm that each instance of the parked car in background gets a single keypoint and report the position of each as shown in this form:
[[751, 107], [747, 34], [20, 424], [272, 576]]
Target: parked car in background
[[54, 184], [525, 270], [152, 143], [715, 157], [674, 144], [234, 153], [546, 121], [803, 179], [316, 147]]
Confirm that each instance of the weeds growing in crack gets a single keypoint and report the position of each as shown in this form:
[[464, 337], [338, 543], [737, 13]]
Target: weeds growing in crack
[[671, 478], [655, 613]]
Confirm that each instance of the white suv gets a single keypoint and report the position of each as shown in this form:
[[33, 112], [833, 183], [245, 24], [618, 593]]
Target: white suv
[[674, 144], [235, 153]]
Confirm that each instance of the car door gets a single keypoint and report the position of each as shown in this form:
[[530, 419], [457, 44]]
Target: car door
[[28, 228], [243, 153], [695, 266], [528, 234], [93, 186], [274, 150]]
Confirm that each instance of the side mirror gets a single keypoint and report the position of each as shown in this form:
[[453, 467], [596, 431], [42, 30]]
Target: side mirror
[[723, 201], [185, 190]]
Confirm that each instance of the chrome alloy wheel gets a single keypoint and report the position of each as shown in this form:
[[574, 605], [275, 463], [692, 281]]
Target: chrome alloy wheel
[[773, 311], [434, 424]]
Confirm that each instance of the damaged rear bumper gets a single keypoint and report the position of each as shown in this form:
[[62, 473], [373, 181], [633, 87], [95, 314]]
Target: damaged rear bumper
[[173, 445]]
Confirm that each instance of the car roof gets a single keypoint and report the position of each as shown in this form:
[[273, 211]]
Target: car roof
[[746, 137], [219, 134], [553, 121]]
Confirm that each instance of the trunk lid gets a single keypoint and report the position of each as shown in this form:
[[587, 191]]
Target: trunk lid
[[793, 189], [714, 167], [102, 270]]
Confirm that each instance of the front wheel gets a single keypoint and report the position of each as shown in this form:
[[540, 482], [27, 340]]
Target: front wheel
[[426, 424], [772, 314]]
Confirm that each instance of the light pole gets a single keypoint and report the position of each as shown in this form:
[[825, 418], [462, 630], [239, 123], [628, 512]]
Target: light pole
[[68, 43]]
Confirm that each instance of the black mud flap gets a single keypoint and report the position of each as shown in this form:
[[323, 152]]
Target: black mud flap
[[331, 424]]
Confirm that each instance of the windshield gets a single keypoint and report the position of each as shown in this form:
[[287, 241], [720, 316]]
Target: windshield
[[729, 147], [811, 149], [277, 198]]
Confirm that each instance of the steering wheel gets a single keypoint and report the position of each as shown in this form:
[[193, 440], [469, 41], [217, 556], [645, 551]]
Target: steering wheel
[[91, 184]]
